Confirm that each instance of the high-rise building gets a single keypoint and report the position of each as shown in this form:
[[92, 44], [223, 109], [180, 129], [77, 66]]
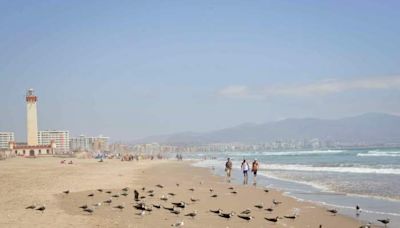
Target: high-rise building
[[90, 144], [31, 118], [60, 138], [5, 139]]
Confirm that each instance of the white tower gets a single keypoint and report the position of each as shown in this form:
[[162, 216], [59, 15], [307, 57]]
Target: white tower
[[31, 118]]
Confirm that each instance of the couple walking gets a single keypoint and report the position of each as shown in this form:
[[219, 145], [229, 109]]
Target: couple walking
[[245, 169]]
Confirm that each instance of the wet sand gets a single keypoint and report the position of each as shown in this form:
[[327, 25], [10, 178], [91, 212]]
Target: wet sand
[[41, 181]]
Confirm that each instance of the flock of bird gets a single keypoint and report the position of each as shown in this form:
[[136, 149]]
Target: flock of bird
[[177, 208]]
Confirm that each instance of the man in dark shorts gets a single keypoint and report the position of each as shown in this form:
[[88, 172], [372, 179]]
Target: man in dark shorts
[[254, 169], [228, 169]]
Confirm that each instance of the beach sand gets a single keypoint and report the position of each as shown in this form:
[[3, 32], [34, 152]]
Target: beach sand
[[42, 180]]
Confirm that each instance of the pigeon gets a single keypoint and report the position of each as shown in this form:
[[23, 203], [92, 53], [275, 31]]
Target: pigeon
[[234, 192], [42, 208], [270, 209], [88, 210], [115, 196], [246, 217], [108, 192], [108, 201], [84, 206], [157, 206], [227, 215], [214, 196], [384, 221], [159, 186], [247, 211], [124, 194], [178, 224], [218, 211], [91, 195], [273, 219], [192, 214], [259, 206], [333, 211], [30, 207], [171, 194], [276, 202], [125, 189], [66, 192], [100, 190], [119, 207]]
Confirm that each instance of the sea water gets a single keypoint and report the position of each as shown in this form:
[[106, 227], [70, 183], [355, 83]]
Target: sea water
[[335, 178]]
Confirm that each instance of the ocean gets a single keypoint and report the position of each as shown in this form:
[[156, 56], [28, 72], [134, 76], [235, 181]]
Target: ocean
[[334, 178]]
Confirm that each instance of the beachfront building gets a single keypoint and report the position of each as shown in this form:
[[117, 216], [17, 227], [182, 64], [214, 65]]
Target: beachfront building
[[60, 138], [32, 148], [89, 144], [5, 139]]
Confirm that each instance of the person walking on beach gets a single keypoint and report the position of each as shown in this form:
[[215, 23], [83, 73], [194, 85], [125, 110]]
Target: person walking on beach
[[245, 168], [254, 169], [228, 169]]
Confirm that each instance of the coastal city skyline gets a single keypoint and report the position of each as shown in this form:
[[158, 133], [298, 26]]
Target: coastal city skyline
[[118, 71]]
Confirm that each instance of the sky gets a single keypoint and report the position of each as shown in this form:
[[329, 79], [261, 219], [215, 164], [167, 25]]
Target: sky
[[129, 69]]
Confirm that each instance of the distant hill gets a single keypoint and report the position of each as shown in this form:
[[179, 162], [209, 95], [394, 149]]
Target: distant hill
[[371, 128]]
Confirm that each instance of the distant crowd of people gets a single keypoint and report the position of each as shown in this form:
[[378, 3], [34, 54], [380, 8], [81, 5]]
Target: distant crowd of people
[[245, 167]]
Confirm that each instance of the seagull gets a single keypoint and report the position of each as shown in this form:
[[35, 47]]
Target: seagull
[[30, 207], [211, 190], [273, 219], [246, 217], [227, 215], [218, 211], [42, 208], [140, 206], [290, 216], [192, 214], [100, 190], [157, 206], [247, 211], [88, 210], [191, 189], [266, 190], [171, 194], [231, 188], [108, 192], [108, 201], [150, 191], [178, 224], [159, 186], [119, 207], [368, 225], [177, 184], [96, 204], [141, 213], [84, 206], [144, 188], [115, 196], [169, 208], [151, 195], [180, 204], [164, 198], [333, 211], [91, 195], [66, 192], [384, 221], [276, 202], [234, 192], [259, 206], [125, 189], [214, 196], [177, 211], [194, 200], [124, 194], [358, 210]]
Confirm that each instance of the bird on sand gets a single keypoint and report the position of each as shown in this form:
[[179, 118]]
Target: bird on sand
[[140, 206], [266, 190], [30, 207], [136, 193], [169, 208], [108, 201], [191, 189], [247, 211], [84, 206], [332, 211], [177, 184], [88, 210], [178, 224], [119, 207], [234, 192], [108, 192], [214, 196], [246, 217], [151, 195], [159, 186], [124, 194], [368, 225], [358, 210], [275, 202], [96, 204], [143, 188], [180, 204], [176, 211], [273, 219], [42, 208], [230, 188], [194, 200], [384, 221], [218, 211], [141, 213], [290, 216], [125, 189], [270, 209], [115, 196], [66, 192], [158, 206], [100, 190], [211, 190], [91, 195], [259, 206], [164, 198], [171, 194], [227, 215], [192, 214], [150, 191]]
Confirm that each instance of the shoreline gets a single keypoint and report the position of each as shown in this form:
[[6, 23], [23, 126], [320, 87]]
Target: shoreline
[[87, 175]]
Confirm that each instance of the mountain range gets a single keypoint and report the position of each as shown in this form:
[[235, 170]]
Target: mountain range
[[370, 128]]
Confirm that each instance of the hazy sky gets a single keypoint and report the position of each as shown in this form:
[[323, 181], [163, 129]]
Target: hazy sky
[[128, 69]]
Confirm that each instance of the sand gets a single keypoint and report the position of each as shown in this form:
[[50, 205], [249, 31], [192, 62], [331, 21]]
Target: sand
[[42, 180]]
